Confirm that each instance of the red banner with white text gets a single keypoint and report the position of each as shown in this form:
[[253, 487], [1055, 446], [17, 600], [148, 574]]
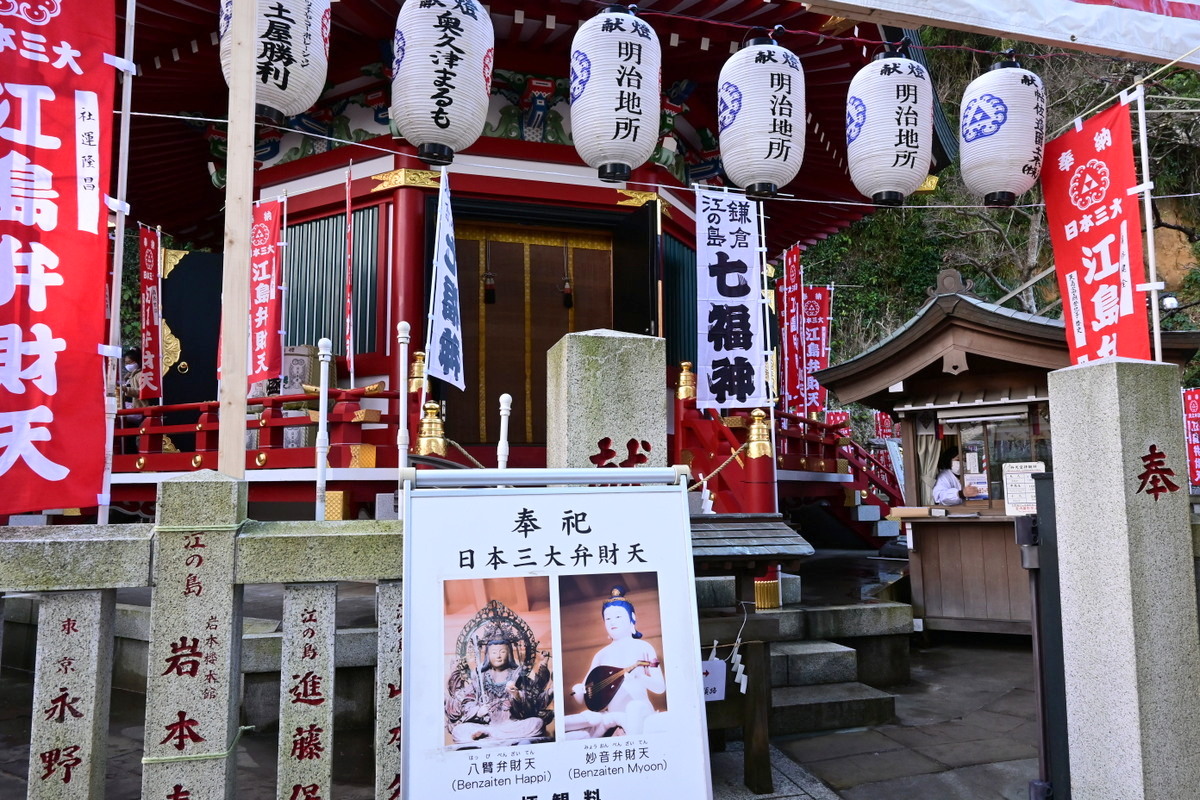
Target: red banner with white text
[[816, 305], [788, 304], [55, 122], [884, 425], [1096, 231], [266, 357], [839, 418], [1191, 428], [150, 265]]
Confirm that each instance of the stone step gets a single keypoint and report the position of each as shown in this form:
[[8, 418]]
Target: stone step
[[812, 662], [829, 706], [838, 622]]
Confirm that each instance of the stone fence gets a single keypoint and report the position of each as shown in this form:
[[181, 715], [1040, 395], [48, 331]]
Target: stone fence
[[197, 559]]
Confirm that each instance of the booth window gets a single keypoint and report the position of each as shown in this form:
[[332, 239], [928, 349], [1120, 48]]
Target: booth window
[[315, 277], [986, 442]]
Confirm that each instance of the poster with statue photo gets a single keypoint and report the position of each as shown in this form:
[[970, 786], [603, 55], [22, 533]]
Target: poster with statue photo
[[551, 644]]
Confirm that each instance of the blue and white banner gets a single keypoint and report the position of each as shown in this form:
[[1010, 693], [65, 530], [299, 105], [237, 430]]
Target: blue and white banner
[[443, 338], [731, 354]]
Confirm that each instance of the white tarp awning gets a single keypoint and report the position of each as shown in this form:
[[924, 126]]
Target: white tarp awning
[[1153, 30]]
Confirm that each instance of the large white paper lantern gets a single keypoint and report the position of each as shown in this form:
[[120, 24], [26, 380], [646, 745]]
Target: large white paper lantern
[[442, 76], [760, 113], [889, 128], [616, 85], [291, 54], [1001, 133]]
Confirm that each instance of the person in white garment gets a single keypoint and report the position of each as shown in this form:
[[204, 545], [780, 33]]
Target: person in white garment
[[635, 672], [948, 488]]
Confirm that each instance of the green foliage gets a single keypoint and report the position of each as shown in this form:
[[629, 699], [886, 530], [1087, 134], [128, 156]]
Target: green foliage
[[881, 267]]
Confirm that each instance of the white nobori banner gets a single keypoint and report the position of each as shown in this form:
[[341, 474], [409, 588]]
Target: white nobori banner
[[731, 356], [444, 338]]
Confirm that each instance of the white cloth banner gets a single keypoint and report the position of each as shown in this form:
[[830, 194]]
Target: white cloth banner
[[443, 341], [731, 355], [1160, 30]]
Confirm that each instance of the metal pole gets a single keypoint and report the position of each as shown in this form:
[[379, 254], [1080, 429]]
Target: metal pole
[[766, 317], [403, 335], [502, 446], [325, 348], [111, 368], [1147, 208]]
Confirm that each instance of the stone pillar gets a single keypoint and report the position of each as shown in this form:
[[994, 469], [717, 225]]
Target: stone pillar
[[389, 612], [1131, 652], [604, 385], [306, 698], [193, 682], [72, 683]]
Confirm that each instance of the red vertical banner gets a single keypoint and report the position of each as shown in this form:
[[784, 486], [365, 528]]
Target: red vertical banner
[[791, 330], [1191, 428], [815, 307], [1096, 233], [884, 427], [266, 361], [56, 104], [150, 269], [839, 418], [349, 310]]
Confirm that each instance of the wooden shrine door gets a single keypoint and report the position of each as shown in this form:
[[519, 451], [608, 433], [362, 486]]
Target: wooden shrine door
[[505, 341]]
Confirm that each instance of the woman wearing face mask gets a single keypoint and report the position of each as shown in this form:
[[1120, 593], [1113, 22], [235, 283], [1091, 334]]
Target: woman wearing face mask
[[948, 489]]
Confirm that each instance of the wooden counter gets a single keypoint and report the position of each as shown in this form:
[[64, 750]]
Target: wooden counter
[[967, 575]]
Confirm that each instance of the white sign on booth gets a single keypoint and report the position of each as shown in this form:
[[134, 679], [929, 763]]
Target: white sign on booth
[[551, 645]]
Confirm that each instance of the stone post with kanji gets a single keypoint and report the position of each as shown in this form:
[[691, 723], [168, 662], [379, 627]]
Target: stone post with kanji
[[193, 682], [1131, 651], [606, 400]]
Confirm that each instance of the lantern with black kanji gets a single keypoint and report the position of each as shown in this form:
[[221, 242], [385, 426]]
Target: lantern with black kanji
[[441, 76], [1001, 133], [291, 45], [760, 111], [889, 128], [616, 85]]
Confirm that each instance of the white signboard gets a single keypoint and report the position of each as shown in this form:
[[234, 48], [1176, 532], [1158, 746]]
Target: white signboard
[[1159, 30], [731, 353], [551, 645], [1019, 496]]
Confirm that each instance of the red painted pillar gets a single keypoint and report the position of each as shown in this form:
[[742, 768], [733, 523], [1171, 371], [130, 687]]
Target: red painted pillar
[[759, 483]]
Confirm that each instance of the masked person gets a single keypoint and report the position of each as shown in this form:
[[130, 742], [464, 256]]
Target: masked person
[[948, 488]]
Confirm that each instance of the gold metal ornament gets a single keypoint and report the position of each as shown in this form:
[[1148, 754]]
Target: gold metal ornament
[[687, 382], [760, 435], [431, 437]]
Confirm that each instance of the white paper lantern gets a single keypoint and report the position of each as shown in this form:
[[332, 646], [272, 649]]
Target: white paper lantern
[[616, 86], [291, 47], [889, 128], [442, 76], [760, 111], [1001, 133]]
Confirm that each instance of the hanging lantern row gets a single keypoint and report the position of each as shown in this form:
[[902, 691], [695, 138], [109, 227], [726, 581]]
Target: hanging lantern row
[[889, 128], [1001, 133], [291, 45], [441, 87], [761, 117], [442, 76], [616, 88]]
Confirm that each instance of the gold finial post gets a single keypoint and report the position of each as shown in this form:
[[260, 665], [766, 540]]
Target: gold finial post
[[687, 382], [416, 376], [431, 438], [760, 435]]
